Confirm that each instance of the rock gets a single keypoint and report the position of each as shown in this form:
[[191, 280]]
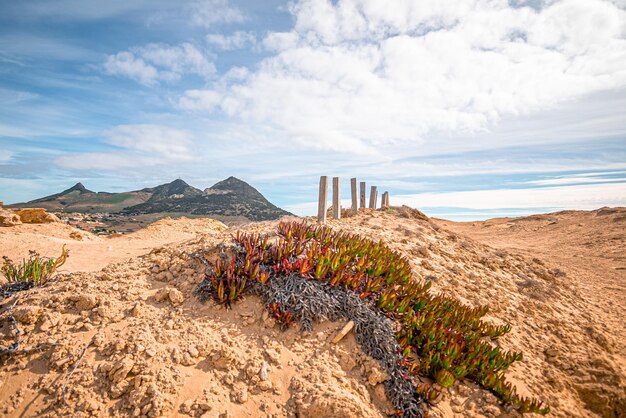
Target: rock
[[551, 352], [136, 311], [76, 235], [36, 216], [263, 372], [377, 376], [240, 393], [172, 294], [27, 314], [9, 218], [273, 355], [204, 405], [120, 372], [86, 302], [176, 296], [162, 294], [185, 408], [265, 385]]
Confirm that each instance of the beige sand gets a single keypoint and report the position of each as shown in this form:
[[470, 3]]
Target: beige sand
[[153, 349]]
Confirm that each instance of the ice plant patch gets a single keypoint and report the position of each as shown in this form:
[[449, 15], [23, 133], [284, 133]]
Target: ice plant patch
[[314, 273]]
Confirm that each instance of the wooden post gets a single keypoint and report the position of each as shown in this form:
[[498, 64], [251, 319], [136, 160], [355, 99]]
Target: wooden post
[[362, 205], [323, 199], [353, 192], [383, 202], [336, 198], [373, 197]]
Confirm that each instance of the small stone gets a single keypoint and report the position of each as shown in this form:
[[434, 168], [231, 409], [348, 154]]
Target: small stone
[[273, 355], [204, 406], [86, 302], [176, 296], [98, 340], [263, 372], [27, 314], [377, 376], [136, 311], [185, 408], [120, 373], [265, 385], [551, 352]]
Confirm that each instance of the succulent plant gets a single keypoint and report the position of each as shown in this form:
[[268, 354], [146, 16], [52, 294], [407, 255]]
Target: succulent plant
[[450, 339]]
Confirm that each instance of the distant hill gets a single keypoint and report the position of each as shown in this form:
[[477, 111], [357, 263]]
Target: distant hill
[[230, 197], [79, 199]]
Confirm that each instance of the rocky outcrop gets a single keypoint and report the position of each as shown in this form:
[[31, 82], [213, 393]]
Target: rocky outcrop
[[8, 218], [36, 216]]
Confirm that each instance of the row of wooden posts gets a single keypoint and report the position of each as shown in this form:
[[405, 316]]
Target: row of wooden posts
[[323, 197]]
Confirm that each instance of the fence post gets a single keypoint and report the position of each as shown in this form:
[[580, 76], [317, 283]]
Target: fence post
[[353, 192], [362, 186], [323, 199], [373, 197], [336, 198]]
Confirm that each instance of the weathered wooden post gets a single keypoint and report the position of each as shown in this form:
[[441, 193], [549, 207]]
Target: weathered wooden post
[[362, 185], [323, 199], [336, 198], [373, 197], [353, 192], [384, 204]]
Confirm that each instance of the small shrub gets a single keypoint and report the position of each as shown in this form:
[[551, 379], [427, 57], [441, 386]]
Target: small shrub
[[36, 269]]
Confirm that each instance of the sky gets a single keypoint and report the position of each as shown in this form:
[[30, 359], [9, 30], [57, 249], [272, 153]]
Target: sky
[[464, 109]]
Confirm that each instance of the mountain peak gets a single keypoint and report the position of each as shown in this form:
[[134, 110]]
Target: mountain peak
[[178, 182], [78, 187], [233, 184], [177, 187]]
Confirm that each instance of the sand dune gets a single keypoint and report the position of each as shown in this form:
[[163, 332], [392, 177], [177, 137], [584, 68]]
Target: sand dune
[[152, 349]]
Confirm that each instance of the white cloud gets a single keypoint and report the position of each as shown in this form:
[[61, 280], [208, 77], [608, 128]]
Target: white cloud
[[236, 40], [355, 75], [142, 145], [158, 62], [126, 64], [205, 100], [152, 139], [207, 13], [585, 197]]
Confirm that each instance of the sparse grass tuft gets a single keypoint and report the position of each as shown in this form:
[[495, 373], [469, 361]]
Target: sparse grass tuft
[[36, 269]]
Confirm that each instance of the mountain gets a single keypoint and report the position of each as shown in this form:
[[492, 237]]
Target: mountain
[[228, 198], [76, 190], [80, 199], [176, 189]]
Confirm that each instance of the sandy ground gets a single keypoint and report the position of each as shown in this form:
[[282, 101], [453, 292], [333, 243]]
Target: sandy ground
[[90, 252], [131, 339]]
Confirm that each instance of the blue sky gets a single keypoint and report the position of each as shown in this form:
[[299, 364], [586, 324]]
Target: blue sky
[[464, 109]]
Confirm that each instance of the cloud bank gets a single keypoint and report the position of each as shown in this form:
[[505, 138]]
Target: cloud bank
[[353, 75]]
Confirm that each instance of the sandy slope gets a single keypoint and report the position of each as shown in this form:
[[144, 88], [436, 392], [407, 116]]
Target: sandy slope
[[153, 349], [90, 252]]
